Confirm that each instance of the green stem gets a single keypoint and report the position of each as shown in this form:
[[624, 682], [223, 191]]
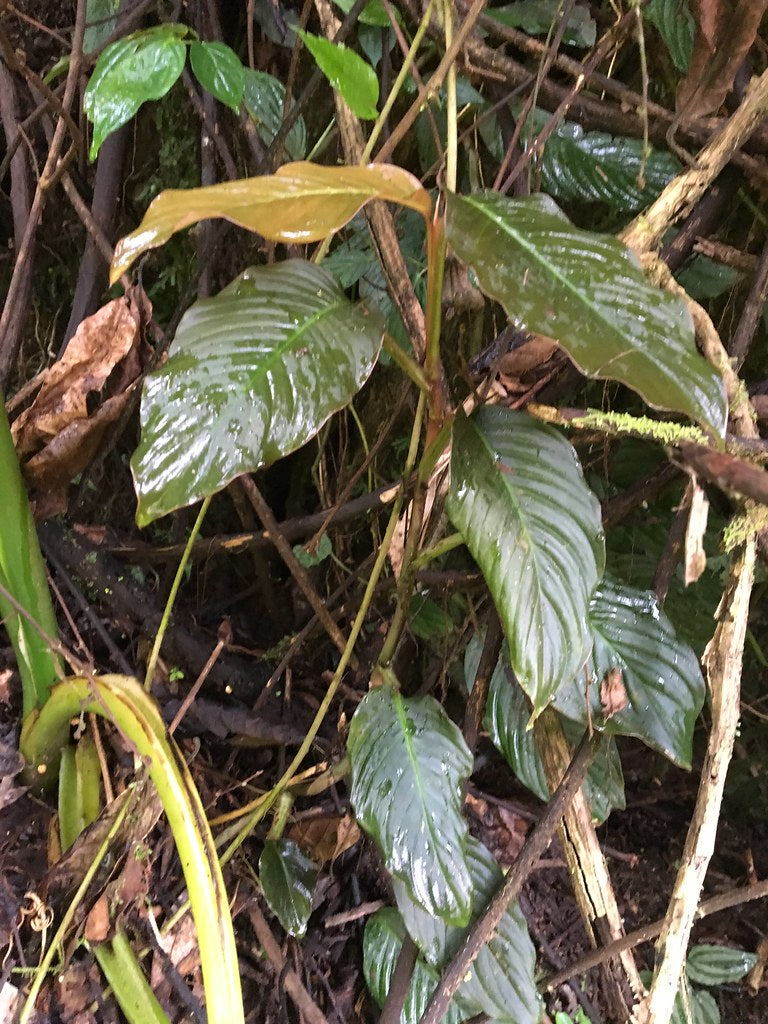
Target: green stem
[[172, 596], [242, 830], [441, 548], [408, 365], [284, 805], [123, 701], [451, 140], [69, 914]]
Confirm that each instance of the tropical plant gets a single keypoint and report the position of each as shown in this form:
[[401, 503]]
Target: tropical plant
[[256, 371]]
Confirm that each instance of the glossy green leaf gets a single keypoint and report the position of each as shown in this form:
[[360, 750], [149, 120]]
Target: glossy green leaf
[[579, 166], [408, 763], [539, 17], [22, 574], [677, 26], [661, 674], [718, 965], [519, 499], [219, 70], [301, 202], [383, 937], [264, 98], [100, 23], [141, 67], [252, 375], [348, 73], [500, 983], [506, 718], [288, 878], [587, 292]]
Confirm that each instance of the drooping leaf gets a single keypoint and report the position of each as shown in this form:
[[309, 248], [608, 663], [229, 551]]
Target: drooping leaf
[[506, 719], [264, 97], [660, 673], [383, 937], [288, 878], [676, 24], [348, 73], [519, 499], [142, 66], [219, 70], [252, 375], [718, 965], [500, 983], [598, 167], [538, 17], [101, 21], [408, 763], [301, 202], [588, 292]]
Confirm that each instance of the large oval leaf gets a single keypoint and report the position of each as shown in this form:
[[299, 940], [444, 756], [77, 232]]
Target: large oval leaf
[[288, 879], [141, 67], [500, 982], [383, 937], [519, 499], [409, 762], [664, 685], [718, 965], [588, 292], [253, 374], [597, 167], [301, 202], [506, 719]]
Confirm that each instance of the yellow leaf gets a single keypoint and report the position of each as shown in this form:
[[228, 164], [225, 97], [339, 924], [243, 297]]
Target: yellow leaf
[[301, 202]]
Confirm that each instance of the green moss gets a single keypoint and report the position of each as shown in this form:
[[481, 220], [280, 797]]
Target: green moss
[[663, 431]]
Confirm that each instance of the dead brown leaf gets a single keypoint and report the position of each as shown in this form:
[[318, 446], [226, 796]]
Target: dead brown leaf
[[97, 925], [501, 829], [59, 434], [613, 693], [325, 838], [726, 30]]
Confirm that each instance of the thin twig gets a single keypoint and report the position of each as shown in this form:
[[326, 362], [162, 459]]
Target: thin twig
[[299, 573], [726, 900]]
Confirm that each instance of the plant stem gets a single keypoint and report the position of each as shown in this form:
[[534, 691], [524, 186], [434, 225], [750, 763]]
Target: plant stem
[[69, 914], [172, 596], [451, 139], [267, 800]]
